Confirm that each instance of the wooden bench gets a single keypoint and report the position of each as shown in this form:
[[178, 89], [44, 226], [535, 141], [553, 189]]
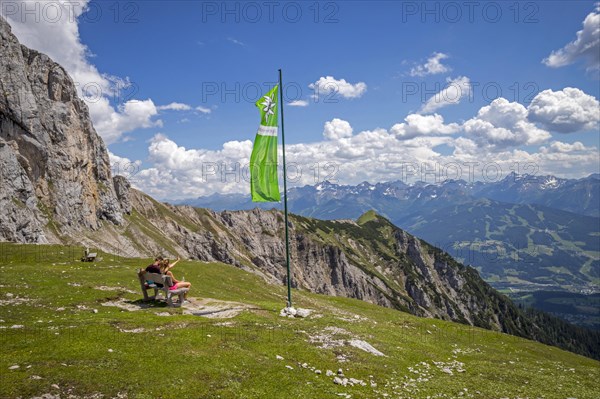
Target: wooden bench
[[89, 257], [160, 282]]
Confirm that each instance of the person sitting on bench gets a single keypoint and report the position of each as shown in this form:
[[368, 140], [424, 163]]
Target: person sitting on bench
[[165, 268], [154, 268]]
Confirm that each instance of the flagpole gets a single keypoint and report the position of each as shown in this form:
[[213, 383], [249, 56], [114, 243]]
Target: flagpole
[[285, 207]]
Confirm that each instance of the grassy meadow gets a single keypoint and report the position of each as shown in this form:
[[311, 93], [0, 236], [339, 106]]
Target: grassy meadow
[[59, 338]]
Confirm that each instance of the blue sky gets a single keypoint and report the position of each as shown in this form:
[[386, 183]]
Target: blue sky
[[161, 54], [177, 51]]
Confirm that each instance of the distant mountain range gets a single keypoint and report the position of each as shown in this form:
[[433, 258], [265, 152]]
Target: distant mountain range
[[525, 232], [581, 196]]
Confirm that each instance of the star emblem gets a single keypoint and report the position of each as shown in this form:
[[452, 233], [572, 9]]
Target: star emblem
[[268, 106]]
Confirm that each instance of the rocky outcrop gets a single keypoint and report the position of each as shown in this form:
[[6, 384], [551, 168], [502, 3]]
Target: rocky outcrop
[[20, 218], [61, 181], [122, 190]]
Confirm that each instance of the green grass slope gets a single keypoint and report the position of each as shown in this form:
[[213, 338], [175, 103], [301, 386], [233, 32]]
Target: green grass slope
[[55, 343]]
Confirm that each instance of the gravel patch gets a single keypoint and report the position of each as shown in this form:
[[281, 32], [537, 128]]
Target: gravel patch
[[205, 307], [334, 337]]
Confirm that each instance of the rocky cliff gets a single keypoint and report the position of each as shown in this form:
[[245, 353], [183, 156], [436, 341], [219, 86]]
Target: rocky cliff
[[55, 174]]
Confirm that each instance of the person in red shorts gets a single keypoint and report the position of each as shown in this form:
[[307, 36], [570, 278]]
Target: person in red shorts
[[165, 268]]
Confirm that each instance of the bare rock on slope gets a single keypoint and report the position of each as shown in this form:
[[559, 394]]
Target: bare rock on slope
[[20, 219], [123, 189]]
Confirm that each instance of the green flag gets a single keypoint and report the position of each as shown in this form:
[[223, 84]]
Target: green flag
[[264, 184]]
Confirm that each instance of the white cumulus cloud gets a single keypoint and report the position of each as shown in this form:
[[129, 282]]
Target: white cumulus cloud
[[372, 155], [174, 106], [336, 129], [203, 110], [432, 66], [586, 45], [560, 147], [420, 125], [134, 114], [298, 103], [454, 91], [565, 111], [179, 172], [330, 85], [117, 161], [495, 135], [503, 124]]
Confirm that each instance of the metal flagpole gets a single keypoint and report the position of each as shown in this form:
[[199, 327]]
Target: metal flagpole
[[287, 240]]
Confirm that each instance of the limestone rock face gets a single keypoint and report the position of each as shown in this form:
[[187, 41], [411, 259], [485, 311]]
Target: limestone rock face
[[122, 189], [56, 176], [20, 218]]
